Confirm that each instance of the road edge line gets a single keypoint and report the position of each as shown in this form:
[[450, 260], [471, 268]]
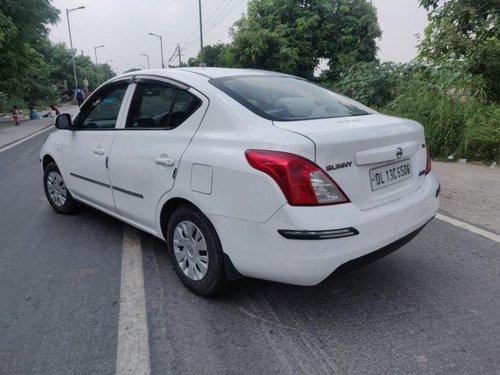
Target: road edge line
[[132, 354], [8, 146], [469, 227]]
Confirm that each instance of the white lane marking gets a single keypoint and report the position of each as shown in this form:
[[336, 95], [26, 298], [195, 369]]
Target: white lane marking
[[470, 228], [133, 347], [28, 137]]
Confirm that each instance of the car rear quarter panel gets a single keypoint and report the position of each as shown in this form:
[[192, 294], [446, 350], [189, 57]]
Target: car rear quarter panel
[[237, 190]]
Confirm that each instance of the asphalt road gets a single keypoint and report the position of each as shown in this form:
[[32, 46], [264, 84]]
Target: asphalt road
[[433, 307]]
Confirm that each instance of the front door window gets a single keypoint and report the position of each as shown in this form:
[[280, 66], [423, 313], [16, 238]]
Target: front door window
[[102, 111]]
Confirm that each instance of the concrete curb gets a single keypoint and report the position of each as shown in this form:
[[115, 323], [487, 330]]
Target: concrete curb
[[9, 145]]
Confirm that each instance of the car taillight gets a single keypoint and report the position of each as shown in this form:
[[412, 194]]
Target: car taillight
[[428, 161], [303, 183]]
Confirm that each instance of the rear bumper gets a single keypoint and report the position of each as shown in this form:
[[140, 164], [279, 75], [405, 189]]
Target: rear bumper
[[376, 255], [259, 250]]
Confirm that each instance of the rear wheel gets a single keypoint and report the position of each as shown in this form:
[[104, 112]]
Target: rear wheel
[[196, 252], [55, 189]]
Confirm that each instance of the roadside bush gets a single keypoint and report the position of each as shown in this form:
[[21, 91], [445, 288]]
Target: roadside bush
[[7, 102], [371, 83], [453, 109], [3, 102], [481, 139]]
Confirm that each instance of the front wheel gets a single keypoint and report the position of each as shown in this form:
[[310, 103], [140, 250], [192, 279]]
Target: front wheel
[[58, 196], [196, 252]]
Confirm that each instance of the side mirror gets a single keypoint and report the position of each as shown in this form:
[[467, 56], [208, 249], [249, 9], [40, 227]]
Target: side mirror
[[63, 121]]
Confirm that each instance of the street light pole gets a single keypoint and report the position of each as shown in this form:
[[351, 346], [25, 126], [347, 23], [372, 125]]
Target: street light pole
[[68, 11], [96, 63], [161, 48], [147, 56]]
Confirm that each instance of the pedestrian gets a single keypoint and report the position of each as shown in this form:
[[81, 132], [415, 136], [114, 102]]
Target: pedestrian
[[55, 109], [15, 116], [86, 87], [79, 96], [34, 115]]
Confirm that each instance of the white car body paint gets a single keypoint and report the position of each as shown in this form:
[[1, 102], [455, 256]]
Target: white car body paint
[[245, 205], [138, 165], [86, 153]]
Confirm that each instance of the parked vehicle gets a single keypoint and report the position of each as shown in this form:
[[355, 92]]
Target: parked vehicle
[[244, 172]]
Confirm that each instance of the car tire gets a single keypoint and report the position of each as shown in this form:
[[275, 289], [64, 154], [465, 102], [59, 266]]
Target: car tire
[[195, 251], [58, 196]]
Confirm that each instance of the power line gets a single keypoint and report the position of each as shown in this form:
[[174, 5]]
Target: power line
[[174, 54], [177, 53], [211, 15], [208, 18], [216, 21]]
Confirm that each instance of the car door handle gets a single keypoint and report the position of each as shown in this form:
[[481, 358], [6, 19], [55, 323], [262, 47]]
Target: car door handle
[[165, 160], [99, 151]]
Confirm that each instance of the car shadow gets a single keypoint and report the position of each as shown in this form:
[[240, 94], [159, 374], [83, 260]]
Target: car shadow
[[395, 283]]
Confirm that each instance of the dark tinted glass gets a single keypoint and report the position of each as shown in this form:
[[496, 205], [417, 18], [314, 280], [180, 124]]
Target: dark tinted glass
[[102, 111], [160, 106], [150, 107], [185, 104], [288, 98]]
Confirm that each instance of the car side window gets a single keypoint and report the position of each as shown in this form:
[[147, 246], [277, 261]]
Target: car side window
[[185, 105], [102, 111], [160, 106]]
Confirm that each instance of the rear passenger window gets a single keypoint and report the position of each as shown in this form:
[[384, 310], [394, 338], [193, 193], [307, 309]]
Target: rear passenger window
[[160, 106]]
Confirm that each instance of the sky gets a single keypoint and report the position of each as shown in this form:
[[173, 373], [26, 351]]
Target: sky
[[122, 26]]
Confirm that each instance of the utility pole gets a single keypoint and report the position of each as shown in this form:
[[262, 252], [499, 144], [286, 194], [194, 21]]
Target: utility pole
[[177, 53], [201, 37]]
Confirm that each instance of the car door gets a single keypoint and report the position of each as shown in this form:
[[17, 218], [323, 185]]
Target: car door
[[162, 119], [86, 148]]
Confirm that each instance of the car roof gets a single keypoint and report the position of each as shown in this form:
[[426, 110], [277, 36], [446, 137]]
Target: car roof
[[228, 72], [195, 77], [209, 73]]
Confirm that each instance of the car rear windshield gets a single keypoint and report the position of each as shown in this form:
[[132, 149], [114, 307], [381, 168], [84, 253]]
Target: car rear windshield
[[285, 98]]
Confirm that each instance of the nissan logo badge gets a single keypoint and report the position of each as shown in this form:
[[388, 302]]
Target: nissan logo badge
[[399, 153]]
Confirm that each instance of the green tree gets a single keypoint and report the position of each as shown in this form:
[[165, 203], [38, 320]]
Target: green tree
[[372, 83], [58, 57], [23, 24], [350, 33], [293, 35], [105, 72], [467, 31], [216, 55]]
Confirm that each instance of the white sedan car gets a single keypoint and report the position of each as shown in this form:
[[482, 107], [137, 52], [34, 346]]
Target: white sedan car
[[244, 172]]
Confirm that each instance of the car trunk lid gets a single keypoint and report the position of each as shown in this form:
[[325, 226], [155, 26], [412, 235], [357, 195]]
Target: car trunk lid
[[373, 158]]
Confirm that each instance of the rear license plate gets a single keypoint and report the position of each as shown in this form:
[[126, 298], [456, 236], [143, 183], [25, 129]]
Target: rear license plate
[[390, 174]]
